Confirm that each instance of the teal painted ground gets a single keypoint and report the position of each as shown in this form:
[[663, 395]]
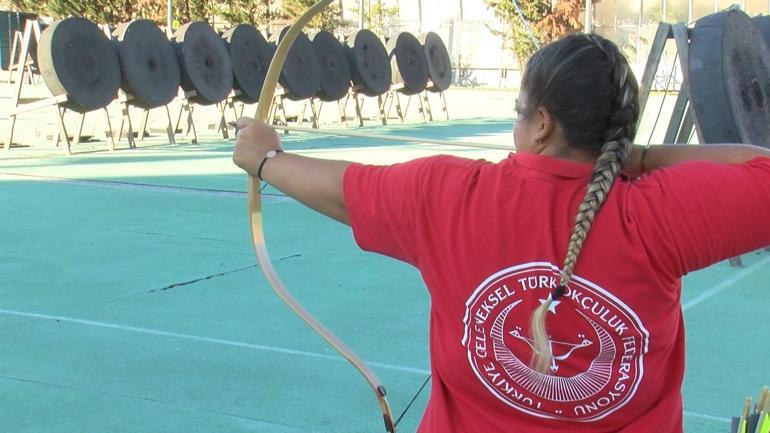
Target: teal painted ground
[[130, 301]]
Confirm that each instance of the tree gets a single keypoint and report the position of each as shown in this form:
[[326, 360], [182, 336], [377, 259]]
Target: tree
[[379, 18], [515, 33], [563, 20], [255, 12], [186, 11], [98, 11], [330, 18], [545, 23]]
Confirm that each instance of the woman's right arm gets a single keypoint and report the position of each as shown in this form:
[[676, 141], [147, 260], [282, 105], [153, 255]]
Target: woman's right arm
[[670, 154]]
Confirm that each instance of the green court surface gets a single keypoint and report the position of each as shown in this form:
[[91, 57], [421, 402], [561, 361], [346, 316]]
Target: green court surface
[[130, 300]]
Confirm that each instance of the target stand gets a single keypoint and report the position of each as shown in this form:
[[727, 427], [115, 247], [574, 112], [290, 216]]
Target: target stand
[[187, 109], [393, 100], [124, 99], [359, 99], [229, 104], [60, 102], [315, 112]]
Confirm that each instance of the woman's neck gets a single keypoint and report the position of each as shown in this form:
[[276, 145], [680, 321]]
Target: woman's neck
[[563, 151]]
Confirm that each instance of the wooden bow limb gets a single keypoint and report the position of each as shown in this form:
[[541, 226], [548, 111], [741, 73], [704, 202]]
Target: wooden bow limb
[[257, 230]]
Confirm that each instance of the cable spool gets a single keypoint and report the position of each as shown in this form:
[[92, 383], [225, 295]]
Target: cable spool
[[205, 63], [439, 63], [148, 62], [301, 74], [334, 66], [730, 79], [250, 56], [369, 63], [77, 60], [408, 63]]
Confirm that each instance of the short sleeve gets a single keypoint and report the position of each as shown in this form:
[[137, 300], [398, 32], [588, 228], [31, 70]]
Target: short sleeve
[[697, 213], [385, 203]]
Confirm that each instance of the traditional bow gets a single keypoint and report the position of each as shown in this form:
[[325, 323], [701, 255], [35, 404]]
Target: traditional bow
[[257, 231]]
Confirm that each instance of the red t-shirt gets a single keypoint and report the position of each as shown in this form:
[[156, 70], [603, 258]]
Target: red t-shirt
[[488, 239]]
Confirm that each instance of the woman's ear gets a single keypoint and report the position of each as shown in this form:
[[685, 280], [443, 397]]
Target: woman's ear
[[545, 124]]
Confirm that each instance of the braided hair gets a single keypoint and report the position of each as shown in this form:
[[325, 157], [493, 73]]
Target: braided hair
[[586, 84]]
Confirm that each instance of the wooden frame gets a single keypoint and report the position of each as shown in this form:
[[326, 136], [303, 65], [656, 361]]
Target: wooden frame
[[21, 58]]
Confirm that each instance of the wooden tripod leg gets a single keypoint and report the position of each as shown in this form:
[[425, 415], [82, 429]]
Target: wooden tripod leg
[[444, 107], [63, 135], [170, 131], [9, 137], [301, 118], [143, 125], [359, 110], [14, 50], [426, 106], [399, 112], [126, 119], [110, 133], [343, 106], [179, 118], [190, 123], [80, 129], [222, 106], [381, 107], [316, 112]]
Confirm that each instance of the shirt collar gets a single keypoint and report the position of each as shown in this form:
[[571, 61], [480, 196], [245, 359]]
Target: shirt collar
[[555, 166]]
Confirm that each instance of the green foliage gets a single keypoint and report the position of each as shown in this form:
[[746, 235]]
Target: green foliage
[[330, 19], [379, 18], [513, 30], [98, 11], [118, 11], [186, 11], [234, 12], [25, 6]]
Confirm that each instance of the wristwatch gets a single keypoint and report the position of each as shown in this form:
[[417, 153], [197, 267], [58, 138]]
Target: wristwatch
[[270, 154]]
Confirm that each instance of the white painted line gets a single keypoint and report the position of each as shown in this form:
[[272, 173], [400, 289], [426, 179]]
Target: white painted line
[[255, 347], [726, 284], [232, 343], [708, 417]]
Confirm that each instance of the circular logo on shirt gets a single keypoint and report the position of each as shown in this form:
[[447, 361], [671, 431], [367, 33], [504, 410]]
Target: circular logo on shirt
[[598, 345]]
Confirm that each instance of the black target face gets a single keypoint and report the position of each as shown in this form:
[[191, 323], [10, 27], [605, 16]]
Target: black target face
[[334, 67], [250, 55], [370, 65], [409, 64], [205, 63], [78, 60], [149, 65], [730, 79], [439, 63], [301, 73]]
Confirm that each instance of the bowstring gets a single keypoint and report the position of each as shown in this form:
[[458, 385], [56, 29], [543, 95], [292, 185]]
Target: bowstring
[[413, 400]]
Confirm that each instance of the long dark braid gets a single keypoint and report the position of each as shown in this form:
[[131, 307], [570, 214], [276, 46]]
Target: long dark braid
[[620, 130]]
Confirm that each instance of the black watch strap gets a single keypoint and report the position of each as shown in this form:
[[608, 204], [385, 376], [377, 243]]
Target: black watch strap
[[270, 154]]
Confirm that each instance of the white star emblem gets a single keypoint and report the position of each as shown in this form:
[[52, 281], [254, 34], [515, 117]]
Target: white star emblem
[[554, 304]]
